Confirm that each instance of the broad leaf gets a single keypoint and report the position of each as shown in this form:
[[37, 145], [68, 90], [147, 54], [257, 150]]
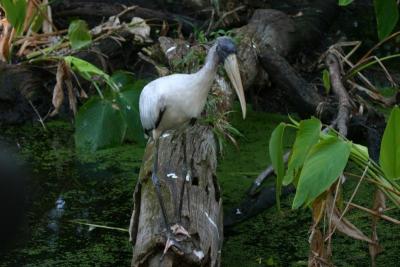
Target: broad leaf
[[99, 124], [307, 135], [15, 13], [387, 15], [276, 155], [78, 34], [124, 80], [345, 2], [128, 97], [390, 146], [322, 167]]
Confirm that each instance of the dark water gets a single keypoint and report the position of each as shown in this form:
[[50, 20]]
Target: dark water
[[64, 186]]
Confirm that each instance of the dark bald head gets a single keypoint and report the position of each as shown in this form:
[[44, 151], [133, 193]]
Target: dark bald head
[[225, 47]]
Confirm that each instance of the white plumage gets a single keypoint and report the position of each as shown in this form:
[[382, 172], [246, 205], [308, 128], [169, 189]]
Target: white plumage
[[172, 100], [169, 102]]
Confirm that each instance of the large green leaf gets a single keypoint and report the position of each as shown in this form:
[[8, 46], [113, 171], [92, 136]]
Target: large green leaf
[[78, 34], [390, 146], [124, 80], [15, 13], [307, 135], [99, 124], [322, 167], [128, 97], [276, 155], [345, 2], [387, 15]]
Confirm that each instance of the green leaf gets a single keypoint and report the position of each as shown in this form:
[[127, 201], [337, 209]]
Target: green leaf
[[322, 167], [78, 34], [387, 15], [128, 97], [99, 124], [307, 135], [345, 2], [390, 146], [276, 155], [124, 80], [90, 72], [327, 81], [87, 70], [15, 13]]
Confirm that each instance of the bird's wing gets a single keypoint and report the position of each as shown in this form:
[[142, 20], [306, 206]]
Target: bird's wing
[[151, 107]]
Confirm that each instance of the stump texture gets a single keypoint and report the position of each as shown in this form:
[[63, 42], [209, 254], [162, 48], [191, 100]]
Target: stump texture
[[202, 204]]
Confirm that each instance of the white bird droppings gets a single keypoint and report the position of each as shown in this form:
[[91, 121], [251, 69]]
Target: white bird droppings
[[169, 50], [165, 135], [172, 175], [212, 223], [199, 254]]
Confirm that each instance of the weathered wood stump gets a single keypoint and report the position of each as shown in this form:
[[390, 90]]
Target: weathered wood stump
[[202, 204]]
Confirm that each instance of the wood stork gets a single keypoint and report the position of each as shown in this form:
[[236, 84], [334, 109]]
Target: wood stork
[[170, 102]]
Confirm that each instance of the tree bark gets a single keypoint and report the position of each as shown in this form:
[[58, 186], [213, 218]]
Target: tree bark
[[95, 12], [202, 204]]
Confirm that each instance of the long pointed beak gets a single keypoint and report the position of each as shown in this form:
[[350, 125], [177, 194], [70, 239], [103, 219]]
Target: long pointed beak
[[232, 69]]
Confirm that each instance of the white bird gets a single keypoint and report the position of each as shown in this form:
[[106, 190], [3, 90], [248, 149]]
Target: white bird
[[170, 102]]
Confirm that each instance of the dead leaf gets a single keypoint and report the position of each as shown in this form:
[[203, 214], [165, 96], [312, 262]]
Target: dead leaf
[[83, 94], [318, 208], [71, 94], [30, 13], [58, 93], [316, 248], [5, 39], [343, 225], [140, 29]]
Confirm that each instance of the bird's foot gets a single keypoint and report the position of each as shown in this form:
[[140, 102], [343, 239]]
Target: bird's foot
[[176, 235], [178, 229]]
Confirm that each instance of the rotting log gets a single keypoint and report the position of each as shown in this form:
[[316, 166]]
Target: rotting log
[[22, 87], [95, 12], [202, 204], [271, 37]]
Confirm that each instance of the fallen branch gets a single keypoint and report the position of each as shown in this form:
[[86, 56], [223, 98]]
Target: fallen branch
[[100, 10], [344, 106]]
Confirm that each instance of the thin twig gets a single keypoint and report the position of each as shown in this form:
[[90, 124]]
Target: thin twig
[[377, 45], [388, 76], [350, 200], [37, 113], [217, 24], [373, 212], [332, 210]]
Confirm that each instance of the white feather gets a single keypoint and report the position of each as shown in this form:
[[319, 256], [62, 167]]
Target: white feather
[[180, 96]]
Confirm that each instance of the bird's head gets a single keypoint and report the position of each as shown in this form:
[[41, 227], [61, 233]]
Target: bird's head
[[226, 51]]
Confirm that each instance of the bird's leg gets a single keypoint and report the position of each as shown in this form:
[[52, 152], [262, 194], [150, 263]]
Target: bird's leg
[[156, 183], [171, 231], [186, 178], [178, 228]]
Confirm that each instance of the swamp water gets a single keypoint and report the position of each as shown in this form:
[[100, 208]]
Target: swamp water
[[66, 186]]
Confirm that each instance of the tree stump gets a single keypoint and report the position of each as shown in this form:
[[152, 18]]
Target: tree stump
[[202, 203]]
